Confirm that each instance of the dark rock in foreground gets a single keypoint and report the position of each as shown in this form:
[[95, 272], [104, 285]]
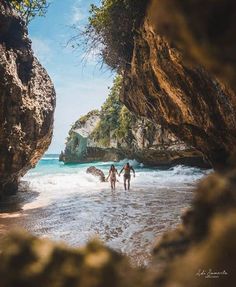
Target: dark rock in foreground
[[201, 252], [27, 102]]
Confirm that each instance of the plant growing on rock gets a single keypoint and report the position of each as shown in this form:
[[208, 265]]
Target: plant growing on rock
[[112, 28], [109, 115], [29, 9], [115, 119]]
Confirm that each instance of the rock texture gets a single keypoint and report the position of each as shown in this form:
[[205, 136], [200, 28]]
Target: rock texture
[[96, 172], [185, 99], [204, 245], [209, 42], [147, 143], [27, 102], [28, 261]]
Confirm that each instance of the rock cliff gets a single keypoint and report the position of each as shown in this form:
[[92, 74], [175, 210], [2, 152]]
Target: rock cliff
[[162, 86], [114, 133], [208, 42], [27, 102], [201, 252]]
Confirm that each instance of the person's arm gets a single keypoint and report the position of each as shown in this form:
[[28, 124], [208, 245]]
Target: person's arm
[[121, 171], [108, 175], [133, 171]]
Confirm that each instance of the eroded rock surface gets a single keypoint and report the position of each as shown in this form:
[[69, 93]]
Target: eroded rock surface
[[96, 172], [209, 42], [185, 99], [28, 261], [143, 141], [27, 102]]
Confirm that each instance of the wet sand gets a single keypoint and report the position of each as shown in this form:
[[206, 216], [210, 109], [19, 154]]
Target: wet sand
[[129, 222]]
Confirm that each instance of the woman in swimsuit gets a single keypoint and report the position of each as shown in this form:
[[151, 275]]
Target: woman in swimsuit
[[112, 175]]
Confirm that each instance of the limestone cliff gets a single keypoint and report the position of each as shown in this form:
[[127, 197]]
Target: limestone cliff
[[160, 85], [199, 253], [27, 102], [114, 133], [208, 42]]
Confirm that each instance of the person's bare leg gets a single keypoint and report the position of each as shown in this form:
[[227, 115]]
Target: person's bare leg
[[125, 183], [128, 183]]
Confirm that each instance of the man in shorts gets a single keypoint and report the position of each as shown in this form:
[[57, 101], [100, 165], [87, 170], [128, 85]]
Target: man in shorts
[[127, 169]]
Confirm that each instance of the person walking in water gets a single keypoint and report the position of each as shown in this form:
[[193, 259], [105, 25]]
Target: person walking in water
[[127, 169], [112, 174]]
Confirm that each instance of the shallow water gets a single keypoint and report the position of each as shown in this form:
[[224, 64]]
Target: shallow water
[[64, 203]]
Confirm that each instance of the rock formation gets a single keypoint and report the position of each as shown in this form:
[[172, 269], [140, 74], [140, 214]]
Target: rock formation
[[204, 245], [162, 86], [50, 265], [27, 100], [129, 137], [208, 42], [96, 172]]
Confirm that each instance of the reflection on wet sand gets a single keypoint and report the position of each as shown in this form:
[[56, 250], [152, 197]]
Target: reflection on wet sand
[[126, 221]]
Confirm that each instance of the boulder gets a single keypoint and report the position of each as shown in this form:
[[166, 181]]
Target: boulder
[[96, 172]]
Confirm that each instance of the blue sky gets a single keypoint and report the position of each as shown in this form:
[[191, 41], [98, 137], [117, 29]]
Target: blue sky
[[80, 88]]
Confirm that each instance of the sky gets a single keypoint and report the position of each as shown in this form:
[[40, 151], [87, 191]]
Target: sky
[[79, 87]]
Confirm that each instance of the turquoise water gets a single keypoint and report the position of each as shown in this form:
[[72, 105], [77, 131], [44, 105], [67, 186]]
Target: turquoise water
[[50, 170], [65, 203]]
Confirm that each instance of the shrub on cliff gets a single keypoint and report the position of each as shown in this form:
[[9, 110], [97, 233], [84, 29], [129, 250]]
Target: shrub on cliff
[[109, 116], [112, 27], [115, 119], [28, 9]]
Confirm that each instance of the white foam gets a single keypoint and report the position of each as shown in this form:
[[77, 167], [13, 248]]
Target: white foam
[[65, 180]]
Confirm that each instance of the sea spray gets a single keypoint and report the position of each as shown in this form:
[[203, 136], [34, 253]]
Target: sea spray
[[74, 206]]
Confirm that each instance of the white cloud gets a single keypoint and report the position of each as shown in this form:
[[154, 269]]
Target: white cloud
[[77, 14], [41, 49]]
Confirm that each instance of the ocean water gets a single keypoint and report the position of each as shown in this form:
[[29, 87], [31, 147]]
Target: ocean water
[[64, 203]]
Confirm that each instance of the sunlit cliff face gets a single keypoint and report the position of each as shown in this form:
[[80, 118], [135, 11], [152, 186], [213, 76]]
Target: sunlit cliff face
[[209, 42], [185, 98]]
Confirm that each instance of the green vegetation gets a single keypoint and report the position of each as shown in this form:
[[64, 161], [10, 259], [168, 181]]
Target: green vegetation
[[112, 27], [116, 120], [29, 9]]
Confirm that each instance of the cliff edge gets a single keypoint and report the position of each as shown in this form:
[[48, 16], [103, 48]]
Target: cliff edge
[[27, 98], [114, 134], [163, 86]]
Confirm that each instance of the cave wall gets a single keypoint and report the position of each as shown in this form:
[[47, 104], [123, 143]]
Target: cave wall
[[27, 102], [185, 98]]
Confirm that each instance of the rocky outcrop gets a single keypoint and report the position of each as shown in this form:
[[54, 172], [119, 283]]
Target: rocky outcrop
[[147, 143], [208, 42], [27, 102], [96, 172], [185, 99], [201, 252], [41, 263]]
